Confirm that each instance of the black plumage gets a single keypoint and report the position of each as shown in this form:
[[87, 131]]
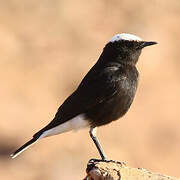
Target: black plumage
[[106, 92]]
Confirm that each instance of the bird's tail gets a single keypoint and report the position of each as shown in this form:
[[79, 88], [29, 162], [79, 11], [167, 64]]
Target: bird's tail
[[24, 147]]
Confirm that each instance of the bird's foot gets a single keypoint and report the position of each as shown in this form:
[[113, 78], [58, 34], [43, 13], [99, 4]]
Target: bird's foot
[[104, 160], [93, 162]]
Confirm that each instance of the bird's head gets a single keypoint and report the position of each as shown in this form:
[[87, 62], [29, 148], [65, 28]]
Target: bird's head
[[126, 47]]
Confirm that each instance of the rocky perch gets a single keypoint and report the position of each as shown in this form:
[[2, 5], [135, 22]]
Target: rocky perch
[[113, 170]]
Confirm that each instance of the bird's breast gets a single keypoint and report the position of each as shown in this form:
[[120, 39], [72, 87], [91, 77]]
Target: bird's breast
[[117, 105]]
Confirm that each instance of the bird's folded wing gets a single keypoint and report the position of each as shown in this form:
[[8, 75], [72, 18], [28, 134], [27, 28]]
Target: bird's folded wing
[[90, 92]]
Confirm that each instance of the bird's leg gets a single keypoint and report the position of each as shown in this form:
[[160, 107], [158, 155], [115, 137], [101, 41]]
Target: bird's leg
[[92, 133]]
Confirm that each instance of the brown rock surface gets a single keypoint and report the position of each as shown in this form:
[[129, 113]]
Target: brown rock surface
[[118, 170]]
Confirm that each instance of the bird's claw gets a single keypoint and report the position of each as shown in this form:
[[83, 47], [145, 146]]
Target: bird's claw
[[92, 162]]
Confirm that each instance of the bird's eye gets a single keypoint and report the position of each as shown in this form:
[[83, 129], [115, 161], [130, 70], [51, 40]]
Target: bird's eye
[[137, 47]]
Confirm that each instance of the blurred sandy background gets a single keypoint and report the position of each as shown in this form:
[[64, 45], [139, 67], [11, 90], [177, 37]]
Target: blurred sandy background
[[46, 47]]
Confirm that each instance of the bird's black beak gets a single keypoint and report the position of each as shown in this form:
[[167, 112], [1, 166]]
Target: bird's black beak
[[148, 43]]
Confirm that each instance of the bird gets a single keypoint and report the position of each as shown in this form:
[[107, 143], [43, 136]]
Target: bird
[[104, 95]]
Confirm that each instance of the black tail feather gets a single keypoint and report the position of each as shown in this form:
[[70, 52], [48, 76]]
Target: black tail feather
[[24, 147]]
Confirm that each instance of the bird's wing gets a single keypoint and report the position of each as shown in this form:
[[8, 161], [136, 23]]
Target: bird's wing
[[94, 88], [89, 93]]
